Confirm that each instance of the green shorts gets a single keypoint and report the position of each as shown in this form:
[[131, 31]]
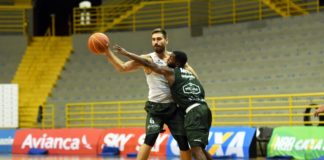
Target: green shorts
[[197, 125], [159, 114]]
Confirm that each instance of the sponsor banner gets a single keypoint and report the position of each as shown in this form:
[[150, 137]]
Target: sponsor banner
[[234, 142], [172, 147], [6, 140], [58, 141], [300, 142], [129, 140], [231, 142]]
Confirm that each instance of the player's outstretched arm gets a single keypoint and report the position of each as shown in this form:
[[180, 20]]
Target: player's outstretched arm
[[319, 110], [119, 65], [144, 62]]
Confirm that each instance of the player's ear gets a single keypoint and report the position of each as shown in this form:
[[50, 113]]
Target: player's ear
[[177, 64], [166, 40]]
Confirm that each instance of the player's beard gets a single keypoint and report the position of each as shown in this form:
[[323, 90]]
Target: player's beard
[[159, 49]]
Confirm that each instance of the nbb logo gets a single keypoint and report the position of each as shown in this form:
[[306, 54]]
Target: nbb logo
[[223, 141]]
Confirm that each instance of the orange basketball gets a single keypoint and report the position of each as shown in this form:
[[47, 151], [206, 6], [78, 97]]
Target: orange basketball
[[98, 43]]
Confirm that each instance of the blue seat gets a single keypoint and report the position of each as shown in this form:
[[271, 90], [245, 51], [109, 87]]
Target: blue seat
[[37, 151], [110, 151]]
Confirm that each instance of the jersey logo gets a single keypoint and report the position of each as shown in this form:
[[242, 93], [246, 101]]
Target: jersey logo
[[152, 124], [152, 121], [197, 140], [191, 88], [160, 62]]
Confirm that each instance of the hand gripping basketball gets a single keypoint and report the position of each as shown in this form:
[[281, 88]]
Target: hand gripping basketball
[[98, 43]]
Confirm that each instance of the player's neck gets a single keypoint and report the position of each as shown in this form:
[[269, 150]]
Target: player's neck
[[162, 55]]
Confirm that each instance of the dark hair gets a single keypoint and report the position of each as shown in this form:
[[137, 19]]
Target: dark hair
[[181, 58], [160, 30]]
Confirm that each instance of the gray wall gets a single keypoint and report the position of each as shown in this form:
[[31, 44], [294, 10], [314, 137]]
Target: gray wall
[[12, 49]]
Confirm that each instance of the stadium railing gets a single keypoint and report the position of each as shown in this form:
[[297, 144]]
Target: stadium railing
[[235, 11], [258, 110], [178, 13], [14, 19], [144, 15], [48, 116]]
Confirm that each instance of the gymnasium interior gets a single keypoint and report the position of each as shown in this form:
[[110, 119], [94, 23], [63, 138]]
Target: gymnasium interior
[[260, 61]]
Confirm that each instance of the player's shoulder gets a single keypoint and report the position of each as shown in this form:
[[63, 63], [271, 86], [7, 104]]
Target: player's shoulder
[[147, 56]]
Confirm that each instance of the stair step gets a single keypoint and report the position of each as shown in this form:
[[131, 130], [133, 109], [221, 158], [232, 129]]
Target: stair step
[[37, 74], [23, 124]]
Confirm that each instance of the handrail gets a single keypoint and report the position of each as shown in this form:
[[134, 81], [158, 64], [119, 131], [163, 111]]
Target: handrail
[[14, 19], [236, 11], [254, 110], [127, 17], [16, 7], [231, 11], [48, 120]]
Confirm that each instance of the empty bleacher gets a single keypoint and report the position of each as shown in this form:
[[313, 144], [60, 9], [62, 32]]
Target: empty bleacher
[[274, 56], [269, 57], [12, 50]]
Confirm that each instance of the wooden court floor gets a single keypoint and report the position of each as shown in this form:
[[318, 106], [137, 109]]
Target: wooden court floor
[[64, 157], [83, 157]]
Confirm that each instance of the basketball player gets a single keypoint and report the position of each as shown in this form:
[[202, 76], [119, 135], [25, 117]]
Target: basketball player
[[160, 106], [189, 94], [319, 110]]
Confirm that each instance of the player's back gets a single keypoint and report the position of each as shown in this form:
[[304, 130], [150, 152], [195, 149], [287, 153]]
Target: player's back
[[186, 89]]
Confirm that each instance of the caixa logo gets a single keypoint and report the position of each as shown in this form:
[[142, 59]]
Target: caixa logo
[[48, 142], [222, 144], [227, 144]]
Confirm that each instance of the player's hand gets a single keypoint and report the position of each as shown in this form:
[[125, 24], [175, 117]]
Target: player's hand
[[107, 52], [318, 111], [120, 50]]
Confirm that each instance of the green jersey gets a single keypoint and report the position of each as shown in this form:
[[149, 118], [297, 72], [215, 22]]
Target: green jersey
[[186, 89]]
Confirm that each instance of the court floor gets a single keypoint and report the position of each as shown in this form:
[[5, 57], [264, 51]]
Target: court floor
[[82, 157], [64, 157]]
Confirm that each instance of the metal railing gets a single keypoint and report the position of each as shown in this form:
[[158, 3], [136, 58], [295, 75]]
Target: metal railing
[[265, 110], [105, 114], [177, 13], [48, 120], [260, 110], [234, 11], [23, 2], [14, 19], [144, 15]]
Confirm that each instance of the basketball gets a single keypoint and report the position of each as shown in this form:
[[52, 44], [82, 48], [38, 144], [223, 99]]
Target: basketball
[[98, 43]]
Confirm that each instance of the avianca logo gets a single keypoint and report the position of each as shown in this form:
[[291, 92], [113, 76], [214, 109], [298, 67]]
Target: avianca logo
[[46, 142]]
